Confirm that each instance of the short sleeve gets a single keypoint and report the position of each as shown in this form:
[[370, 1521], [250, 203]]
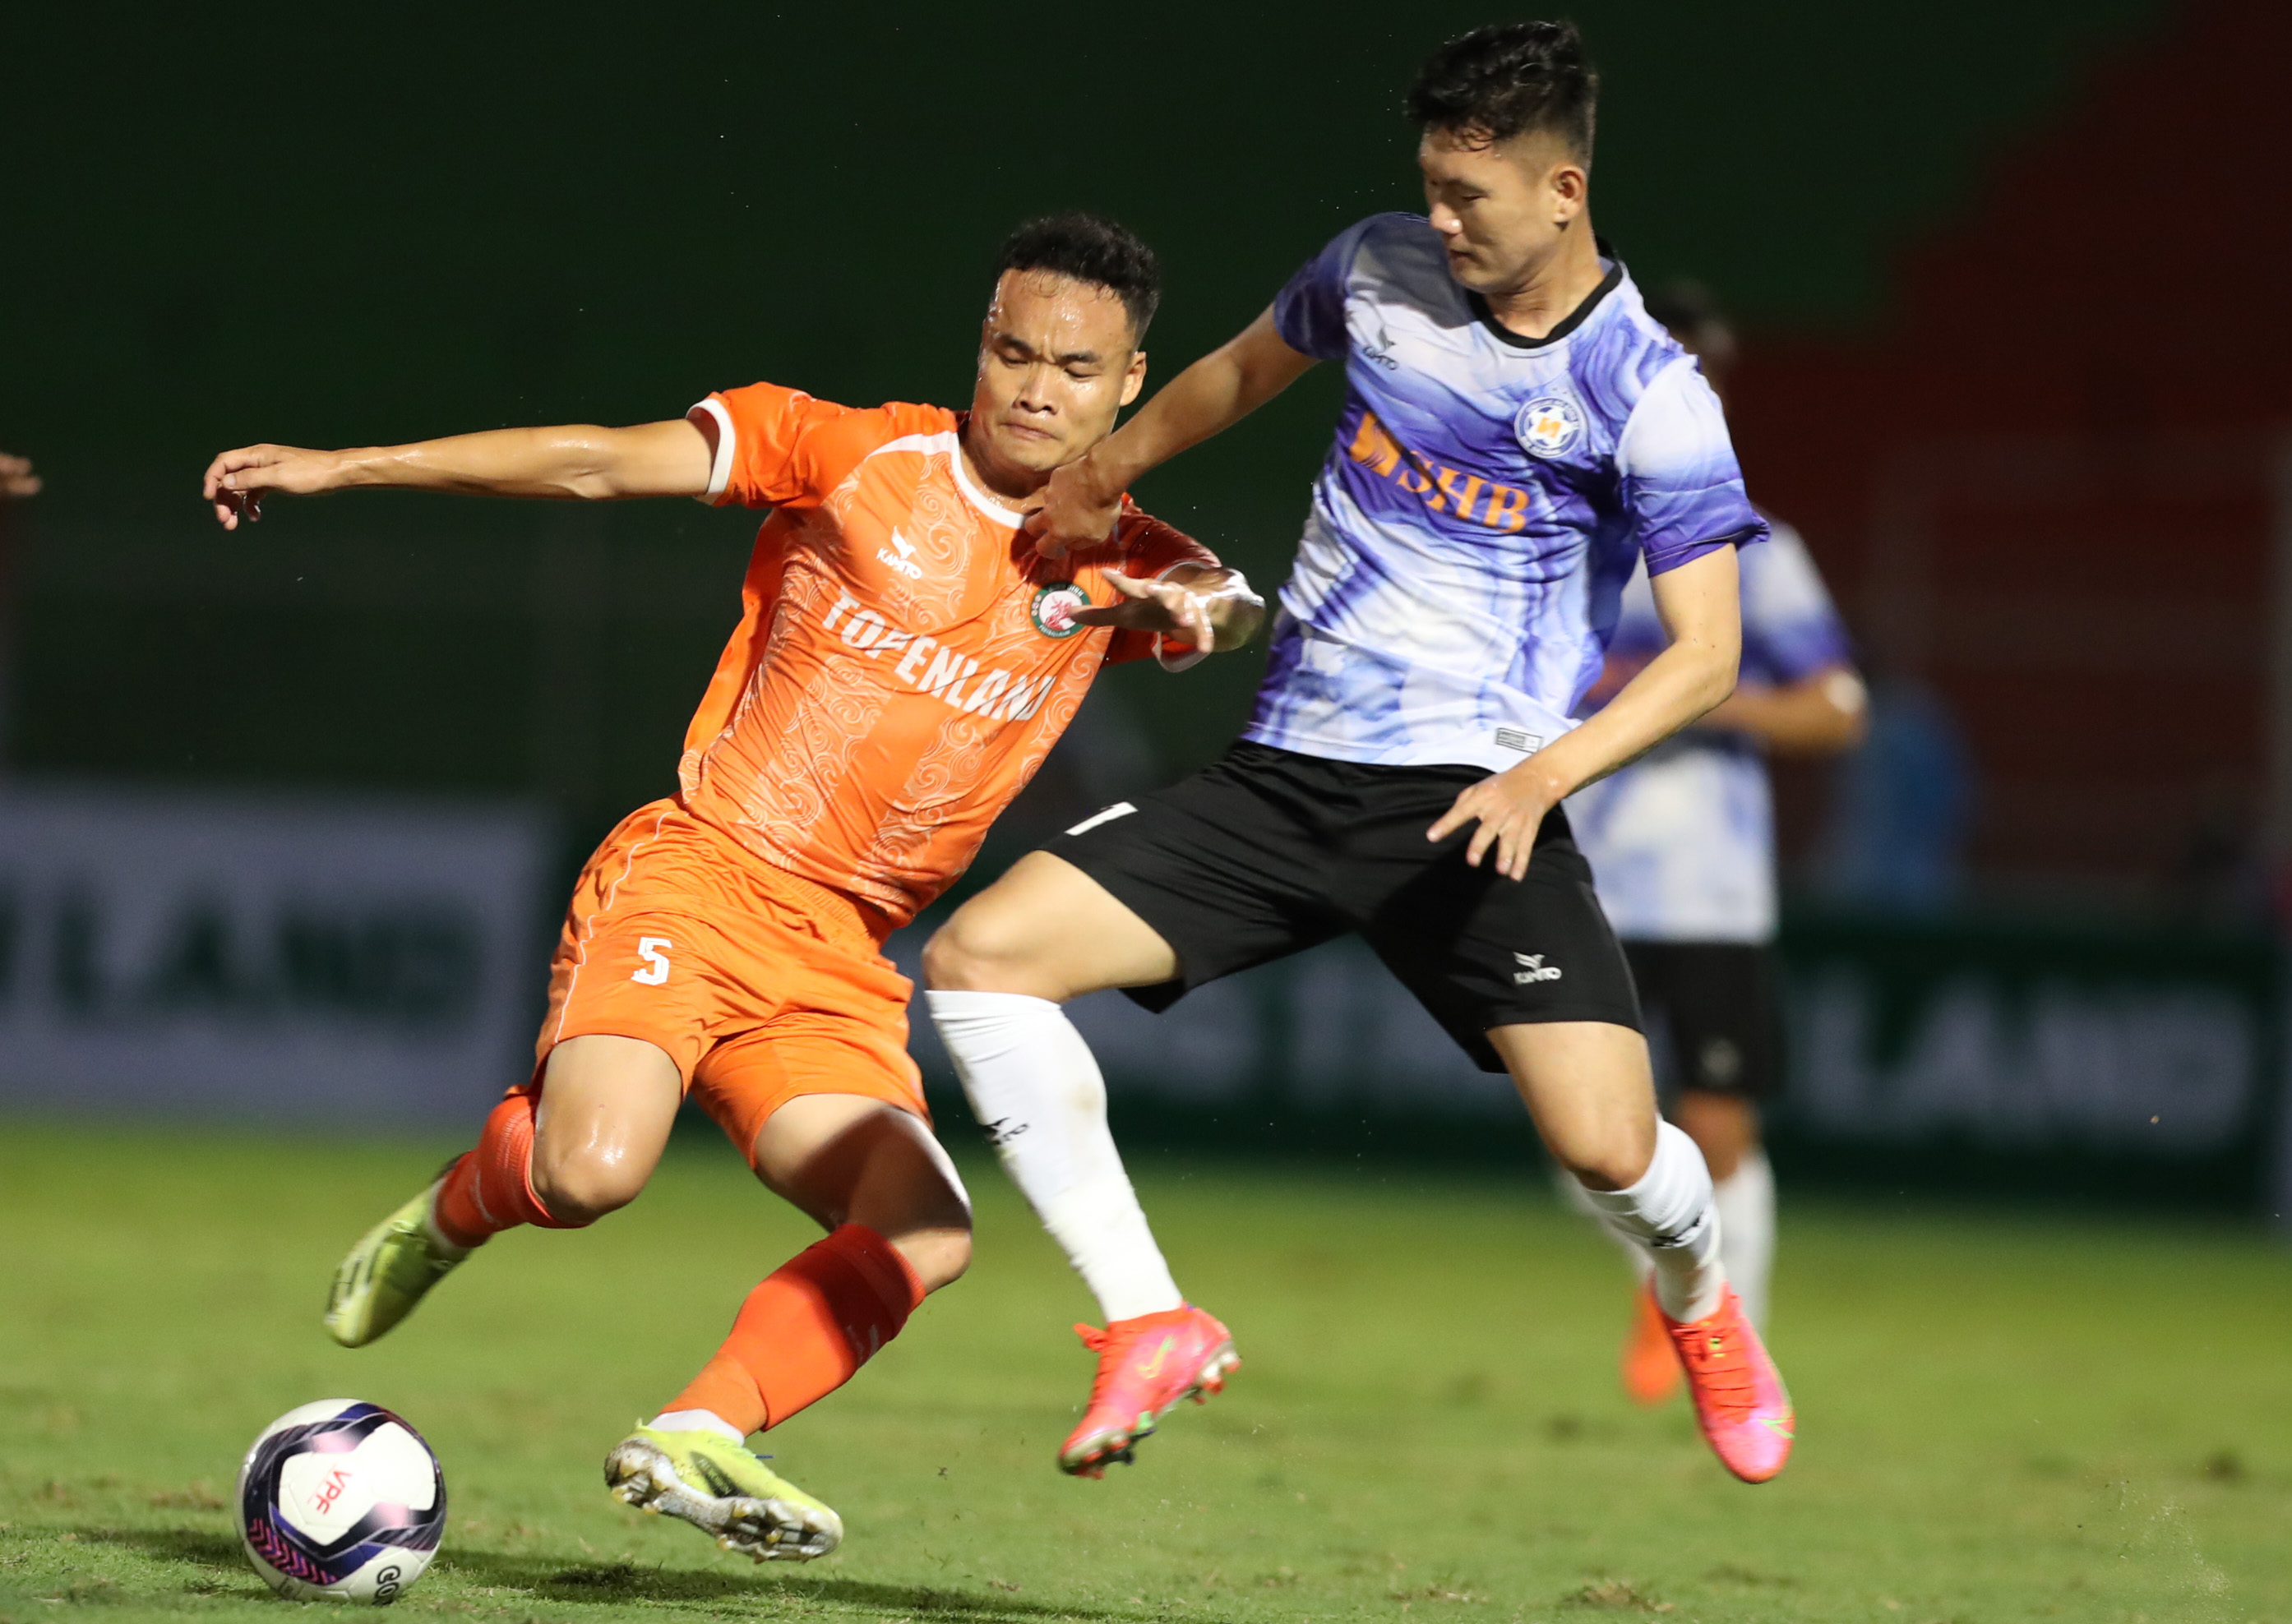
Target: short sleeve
[[1681, 484], [1310, 311], [1791, 630], [764, 451], [1152, 550]]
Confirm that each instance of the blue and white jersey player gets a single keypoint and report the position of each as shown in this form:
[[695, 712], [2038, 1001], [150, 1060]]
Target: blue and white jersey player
[[1517, 436], [1485, 499]]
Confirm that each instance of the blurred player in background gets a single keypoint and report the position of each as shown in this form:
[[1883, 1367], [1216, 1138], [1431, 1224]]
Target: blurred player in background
[[905, 661], [1517, 434], [1681, 845]]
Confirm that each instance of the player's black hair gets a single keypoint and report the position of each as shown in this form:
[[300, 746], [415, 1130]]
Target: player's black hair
[[1685, 307], [1090, 249], [1507, 79]]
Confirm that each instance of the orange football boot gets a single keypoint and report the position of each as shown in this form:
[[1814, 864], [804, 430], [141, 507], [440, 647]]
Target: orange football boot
[[1651, 1364], [1741, 1403], [1145, 1366]]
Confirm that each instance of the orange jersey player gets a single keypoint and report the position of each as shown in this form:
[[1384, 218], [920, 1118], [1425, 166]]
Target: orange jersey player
[[905, 661]]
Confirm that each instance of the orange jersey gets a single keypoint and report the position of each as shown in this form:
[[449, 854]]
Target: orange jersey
[[905, 661]]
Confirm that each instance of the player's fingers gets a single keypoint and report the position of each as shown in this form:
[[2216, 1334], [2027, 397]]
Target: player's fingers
[[1478, 847], [1513, 850], [1186, 619], [220, 471], [1472, 802], [1129, 586], [1459, 813], [1037, 524]]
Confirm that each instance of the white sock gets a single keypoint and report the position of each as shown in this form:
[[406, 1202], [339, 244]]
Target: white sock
[[1746, 1201], [1669, 1214], [1577, 1196], [696, 1420], [1036, 1089]]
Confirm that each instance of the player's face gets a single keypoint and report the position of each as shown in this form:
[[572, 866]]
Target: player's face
[[1502, 208], [1057, 363]]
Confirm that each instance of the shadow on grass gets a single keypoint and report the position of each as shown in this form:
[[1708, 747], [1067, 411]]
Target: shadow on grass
[[192, 1544], [550, 1579]]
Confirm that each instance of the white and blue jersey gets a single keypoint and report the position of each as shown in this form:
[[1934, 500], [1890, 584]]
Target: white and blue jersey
[[1682, 843], [1486, 499]]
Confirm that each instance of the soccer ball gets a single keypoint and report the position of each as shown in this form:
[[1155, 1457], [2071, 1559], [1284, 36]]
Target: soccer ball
[[340, 1500]]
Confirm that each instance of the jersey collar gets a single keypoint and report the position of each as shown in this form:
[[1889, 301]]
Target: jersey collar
[[1574, 319], [984, 501]]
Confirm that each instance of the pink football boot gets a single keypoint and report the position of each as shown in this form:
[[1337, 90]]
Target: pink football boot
[[1740, 1402], [1145, 1366]]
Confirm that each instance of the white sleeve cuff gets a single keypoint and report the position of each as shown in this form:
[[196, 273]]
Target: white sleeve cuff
[[1192, 656], [720, 471]]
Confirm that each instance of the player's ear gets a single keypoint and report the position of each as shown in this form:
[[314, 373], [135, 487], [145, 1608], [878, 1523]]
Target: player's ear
[[1134, 380], [1570, 187]]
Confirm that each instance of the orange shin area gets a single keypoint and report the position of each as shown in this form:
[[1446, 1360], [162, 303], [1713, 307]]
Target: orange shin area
[[803, 1332]]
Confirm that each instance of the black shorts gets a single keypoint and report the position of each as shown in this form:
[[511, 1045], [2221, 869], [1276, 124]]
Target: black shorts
[[1719, 1003], [1268, 852]]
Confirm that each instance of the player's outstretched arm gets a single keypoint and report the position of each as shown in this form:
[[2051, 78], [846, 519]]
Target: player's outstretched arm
[[1084, 498], [1701, 611], [1819, 715], [1214, 609], [576, 463]]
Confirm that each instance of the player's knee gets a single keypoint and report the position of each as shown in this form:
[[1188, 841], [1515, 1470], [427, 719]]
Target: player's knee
[[939, 1256], [976, 952], [580, 1189], [1608, 1162]]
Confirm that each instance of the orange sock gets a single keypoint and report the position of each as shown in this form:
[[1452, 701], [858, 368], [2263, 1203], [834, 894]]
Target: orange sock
[[800, 1336], [490, 1188]]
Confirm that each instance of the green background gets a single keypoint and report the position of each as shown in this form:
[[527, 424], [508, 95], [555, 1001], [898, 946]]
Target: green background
[[338, 227]]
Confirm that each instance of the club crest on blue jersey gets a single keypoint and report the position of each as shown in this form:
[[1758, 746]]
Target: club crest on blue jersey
[[1549, 426], [1055, 608]]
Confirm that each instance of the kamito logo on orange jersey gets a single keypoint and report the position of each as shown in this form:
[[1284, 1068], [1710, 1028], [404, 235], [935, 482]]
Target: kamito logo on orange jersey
[[1444, 490], [997, 694]]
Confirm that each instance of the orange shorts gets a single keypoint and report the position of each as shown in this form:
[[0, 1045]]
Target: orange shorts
[[760, 986]]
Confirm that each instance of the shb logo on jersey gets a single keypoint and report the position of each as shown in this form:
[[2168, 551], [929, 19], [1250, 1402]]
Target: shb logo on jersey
[[1549, 426], [1534, 969], [1055, 608]]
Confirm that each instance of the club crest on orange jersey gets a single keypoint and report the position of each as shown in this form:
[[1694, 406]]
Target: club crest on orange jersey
[[1549, 426], [1055, 608]]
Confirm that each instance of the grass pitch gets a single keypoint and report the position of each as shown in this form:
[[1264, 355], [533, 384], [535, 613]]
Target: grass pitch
[[2000, 1419]]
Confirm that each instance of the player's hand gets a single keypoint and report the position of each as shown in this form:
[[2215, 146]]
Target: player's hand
[[236, 481], [17, 477], [1070, 513], [1509, 807], [1178, 609]]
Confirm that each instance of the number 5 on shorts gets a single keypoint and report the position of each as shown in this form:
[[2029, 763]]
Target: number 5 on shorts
[[654, 951]]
